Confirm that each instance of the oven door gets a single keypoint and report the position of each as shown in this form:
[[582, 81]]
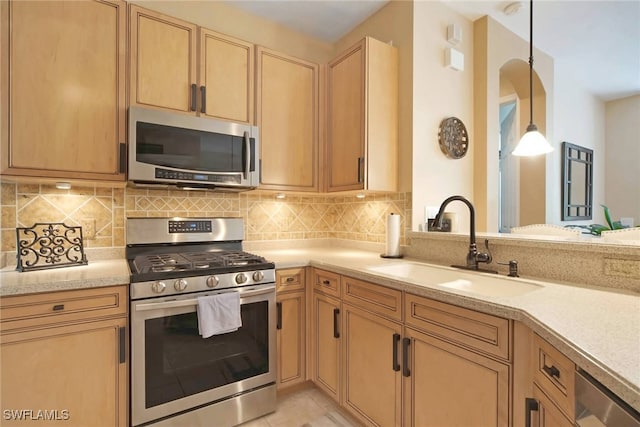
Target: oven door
[[174, 369]]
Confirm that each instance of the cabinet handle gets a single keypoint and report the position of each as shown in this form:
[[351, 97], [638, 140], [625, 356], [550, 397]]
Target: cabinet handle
[[194, 105], [122, 166], [58, 307], [360, 169], [290, 279], [203, 93], [121, 344], [552, 371], [279, 316], [530, 405], [396, 341], [326, 282], [336, 313], [406, 342]]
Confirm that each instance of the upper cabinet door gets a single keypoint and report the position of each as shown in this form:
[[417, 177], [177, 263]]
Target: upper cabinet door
[[287, 116], [362, 118], [63, 88], [226, 77], [163, 61], [346, 120]]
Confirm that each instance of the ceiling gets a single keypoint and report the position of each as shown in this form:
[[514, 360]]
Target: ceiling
[[599, 40]]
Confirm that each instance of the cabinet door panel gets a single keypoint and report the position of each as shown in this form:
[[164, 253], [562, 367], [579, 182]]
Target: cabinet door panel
[[226, 71], [548, 414], [453, 387], [372, 388], [291, 339], [346, 120], [163, 60], [326, 346], [73, 368], [287, 116], [65, 88]]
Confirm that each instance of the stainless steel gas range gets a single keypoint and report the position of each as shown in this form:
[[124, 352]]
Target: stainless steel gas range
[[179, 378]]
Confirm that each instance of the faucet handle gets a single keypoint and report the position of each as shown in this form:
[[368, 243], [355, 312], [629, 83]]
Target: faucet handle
[[485, 257], [513, 267]]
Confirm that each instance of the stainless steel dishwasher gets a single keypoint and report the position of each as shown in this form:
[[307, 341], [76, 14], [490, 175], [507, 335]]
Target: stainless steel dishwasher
[[596, 406]]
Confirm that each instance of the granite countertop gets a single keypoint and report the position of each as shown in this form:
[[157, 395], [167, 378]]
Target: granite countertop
[[597, 328], [93, 275]]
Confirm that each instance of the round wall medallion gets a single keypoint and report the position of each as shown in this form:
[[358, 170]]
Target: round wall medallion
[[453, 138]]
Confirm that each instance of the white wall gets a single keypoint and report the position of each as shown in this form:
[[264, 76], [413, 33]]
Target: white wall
[[579, 119], [438, 93], [622, 162]]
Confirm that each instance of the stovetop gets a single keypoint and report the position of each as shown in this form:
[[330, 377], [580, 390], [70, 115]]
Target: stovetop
[[156, 266]]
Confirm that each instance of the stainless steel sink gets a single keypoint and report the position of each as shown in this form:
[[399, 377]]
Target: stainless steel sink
[[462, 281]]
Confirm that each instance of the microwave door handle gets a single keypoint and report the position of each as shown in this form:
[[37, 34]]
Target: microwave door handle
[[247, 155]]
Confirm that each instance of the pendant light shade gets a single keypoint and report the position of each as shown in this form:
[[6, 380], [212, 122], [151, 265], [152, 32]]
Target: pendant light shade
[[532, 142]]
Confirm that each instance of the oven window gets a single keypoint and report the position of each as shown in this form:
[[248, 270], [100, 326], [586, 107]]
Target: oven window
[[180, 363], [190, 149]]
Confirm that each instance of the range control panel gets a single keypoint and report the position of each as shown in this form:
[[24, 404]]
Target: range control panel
[[190, 226]]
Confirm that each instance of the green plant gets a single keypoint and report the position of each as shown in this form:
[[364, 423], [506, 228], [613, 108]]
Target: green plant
[[596, 229]]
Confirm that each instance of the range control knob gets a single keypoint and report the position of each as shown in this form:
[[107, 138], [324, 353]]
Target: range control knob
[[158, 287], [241, 278], [180, 285], [258, 276], [212, 281]]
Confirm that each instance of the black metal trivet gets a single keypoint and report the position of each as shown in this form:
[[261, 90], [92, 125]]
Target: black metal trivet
[[49, 245]]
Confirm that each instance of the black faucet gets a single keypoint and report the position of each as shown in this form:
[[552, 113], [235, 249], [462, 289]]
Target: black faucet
[[473, 256]]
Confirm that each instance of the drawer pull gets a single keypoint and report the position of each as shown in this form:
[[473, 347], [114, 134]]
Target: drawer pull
[[290, 279], [396, 341], [552, 371], [406, 342], [326, 282], [58, 307], [279, 315]]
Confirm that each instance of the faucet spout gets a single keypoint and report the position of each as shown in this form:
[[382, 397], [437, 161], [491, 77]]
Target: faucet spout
[[473, 256]]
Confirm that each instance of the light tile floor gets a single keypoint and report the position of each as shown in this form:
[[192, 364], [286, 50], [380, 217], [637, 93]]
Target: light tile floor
[[308, 407]]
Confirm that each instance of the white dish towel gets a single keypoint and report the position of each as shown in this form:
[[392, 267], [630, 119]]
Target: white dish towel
[[219, 314]]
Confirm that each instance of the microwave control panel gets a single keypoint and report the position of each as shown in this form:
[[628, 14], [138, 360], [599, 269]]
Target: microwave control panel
[[200, 177]]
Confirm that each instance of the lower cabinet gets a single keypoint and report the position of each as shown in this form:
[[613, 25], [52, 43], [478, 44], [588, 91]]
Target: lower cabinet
[[63, 358], [372, 378], [327, 344], [291, 327], [395, 359], [552, 401], [447, 385]]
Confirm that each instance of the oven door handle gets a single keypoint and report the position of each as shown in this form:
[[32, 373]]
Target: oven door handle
[[194, 301]]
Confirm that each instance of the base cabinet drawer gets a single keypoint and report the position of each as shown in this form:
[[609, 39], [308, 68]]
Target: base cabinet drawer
[[478, 331], [554, 374]]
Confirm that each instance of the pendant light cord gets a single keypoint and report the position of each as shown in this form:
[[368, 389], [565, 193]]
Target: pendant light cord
[[530, 63]]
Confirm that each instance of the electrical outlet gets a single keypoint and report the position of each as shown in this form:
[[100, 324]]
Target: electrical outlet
[[88, 228]]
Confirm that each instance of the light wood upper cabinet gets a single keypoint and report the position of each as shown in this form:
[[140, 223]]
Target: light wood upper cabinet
[[287, 116], [63, 89], [66, 351], [179, 66], [362, 118], [162, 60], [226, 73]]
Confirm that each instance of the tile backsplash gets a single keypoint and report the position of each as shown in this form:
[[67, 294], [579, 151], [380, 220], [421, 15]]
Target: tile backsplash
[[101, 211]]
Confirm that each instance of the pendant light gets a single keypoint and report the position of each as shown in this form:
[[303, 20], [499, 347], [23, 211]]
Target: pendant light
[[532, 142]]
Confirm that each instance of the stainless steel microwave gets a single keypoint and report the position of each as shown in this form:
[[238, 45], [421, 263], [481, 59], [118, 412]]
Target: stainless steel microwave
[[174, 149]]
